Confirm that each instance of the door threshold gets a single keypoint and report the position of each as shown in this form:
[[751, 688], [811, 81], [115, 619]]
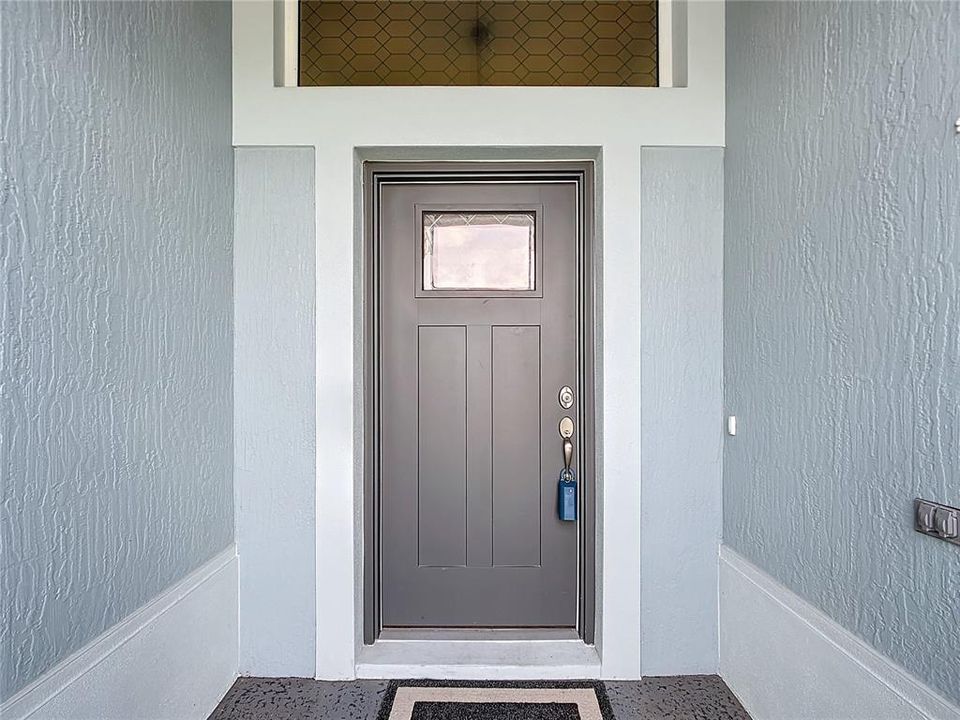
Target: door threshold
[[479, 634], [478, 659]]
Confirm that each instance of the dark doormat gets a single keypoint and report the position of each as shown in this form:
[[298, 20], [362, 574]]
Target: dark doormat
[[491, 700]]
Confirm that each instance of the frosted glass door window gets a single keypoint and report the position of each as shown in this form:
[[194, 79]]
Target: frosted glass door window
[[479, 251]]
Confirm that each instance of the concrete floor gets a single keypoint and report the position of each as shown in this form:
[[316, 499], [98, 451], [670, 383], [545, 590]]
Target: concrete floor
[[690, 697]]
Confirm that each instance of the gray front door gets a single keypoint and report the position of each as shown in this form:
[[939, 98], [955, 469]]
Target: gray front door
[[478, 334]]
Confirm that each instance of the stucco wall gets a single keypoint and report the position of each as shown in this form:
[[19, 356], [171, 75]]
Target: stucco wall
[[117, 330], [841, 308]]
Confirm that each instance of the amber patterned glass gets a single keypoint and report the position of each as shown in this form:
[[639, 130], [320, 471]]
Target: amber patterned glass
[[486, 42], [479, 251]]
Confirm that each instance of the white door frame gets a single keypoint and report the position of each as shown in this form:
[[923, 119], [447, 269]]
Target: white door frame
[[340, 421]]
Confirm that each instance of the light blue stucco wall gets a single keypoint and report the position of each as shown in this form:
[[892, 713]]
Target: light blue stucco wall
[[842, 312], [115, 362], [275, 409], [681, 364]]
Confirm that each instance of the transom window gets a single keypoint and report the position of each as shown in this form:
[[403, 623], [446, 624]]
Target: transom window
[[478, 42]]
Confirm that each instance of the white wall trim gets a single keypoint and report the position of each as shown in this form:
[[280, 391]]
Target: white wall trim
[[784, 658], [672, 43], [286, 43], [343, 118], [618, 493], [135, 668]]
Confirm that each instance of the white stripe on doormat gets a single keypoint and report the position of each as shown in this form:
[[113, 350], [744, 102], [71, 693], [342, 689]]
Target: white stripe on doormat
[[585, 698]]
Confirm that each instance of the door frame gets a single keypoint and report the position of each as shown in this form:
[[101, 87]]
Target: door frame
[[375, 174]]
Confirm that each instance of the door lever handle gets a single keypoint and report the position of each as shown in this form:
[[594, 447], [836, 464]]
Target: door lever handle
[[566, 432]]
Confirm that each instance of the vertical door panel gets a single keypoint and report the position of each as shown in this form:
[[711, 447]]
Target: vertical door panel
[[479, 448], [516, 446], [441, 446]]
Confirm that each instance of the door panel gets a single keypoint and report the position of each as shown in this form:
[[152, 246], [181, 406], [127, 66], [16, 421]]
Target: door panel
[[468, 442], [480, 447], [442, 445], [516, 445]]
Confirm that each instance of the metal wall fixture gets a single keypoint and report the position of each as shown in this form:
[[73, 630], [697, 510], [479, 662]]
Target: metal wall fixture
[[937, 520]]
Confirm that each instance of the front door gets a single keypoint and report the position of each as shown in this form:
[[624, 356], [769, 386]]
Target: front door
[[478, 334]]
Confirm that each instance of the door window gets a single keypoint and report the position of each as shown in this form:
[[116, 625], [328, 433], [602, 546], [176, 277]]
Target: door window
[[479, 251]]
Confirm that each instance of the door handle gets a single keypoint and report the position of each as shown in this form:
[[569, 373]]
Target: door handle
[[566, 432]]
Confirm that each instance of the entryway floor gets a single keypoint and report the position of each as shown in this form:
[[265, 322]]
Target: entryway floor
[[687, 697]]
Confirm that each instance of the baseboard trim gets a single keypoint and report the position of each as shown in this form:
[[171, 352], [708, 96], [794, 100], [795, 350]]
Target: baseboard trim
[[188, 630], [784, 658]]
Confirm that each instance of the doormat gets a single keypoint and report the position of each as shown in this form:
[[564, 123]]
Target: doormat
[[482, 700]]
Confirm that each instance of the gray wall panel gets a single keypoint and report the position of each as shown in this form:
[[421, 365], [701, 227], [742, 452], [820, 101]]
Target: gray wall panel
[[681, 259], [842, 299], [115, 363], [275, 406]]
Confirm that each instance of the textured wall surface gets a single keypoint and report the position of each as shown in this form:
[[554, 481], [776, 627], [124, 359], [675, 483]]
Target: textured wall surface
[[842, 312], [275, 409], [681, 364], [117, 328]]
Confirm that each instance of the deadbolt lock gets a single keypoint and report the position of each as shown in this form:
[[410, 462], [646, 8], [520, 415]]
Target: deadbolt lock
[[566, 397]]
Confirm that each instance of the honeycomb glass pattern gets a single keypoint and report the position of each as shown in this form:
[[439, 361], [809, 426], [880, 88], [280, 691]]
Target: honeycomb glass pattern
[[486, 42]]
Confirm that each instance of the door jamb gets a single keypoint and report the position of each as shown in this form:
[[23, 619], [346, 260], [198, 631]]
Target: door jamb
[[582, 173]]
